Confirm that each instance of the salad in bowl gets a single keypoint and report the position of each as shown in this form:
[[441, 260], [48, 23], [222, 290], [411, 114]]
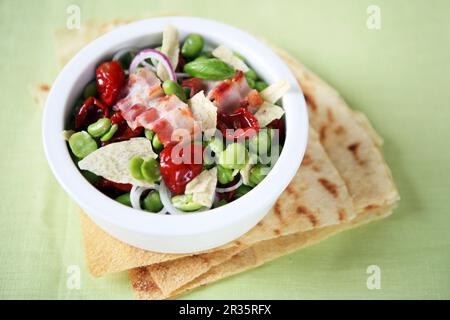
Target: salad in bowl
[[179, 133], [176, 128]]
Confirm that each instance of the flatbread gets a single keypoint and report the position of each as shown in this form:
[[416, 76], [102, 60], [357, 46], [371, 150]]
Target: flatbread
[[352, 144], [349, 140], [315, 198], [307, 203], [145, 286]]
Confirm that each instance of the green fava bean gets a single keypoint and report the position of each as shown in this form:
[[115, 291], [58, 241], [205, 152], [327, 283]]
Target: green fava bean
[[251, 83], [224, 175], [210, 69], [233, 157], [216, 145], [157, 145], [260, 85], [90, 90], [150, 170], [110, 133], [257, 174], [135, 168], [251, 74], [99, 128], [221, 203], [238, 55], [124, 199], [186, 203], [152, 202], [260, 143], [89, 176], [202, 57], [82, 144], [241, 191], [171, 87], [149, 134], [193, 46]]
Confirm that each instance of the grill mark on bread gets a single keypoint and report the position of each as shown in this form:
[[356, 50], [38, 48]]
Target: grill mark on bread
[[278, 212], [143, 283], [339, 130], [329, 186], [291, 190], [330, 115], [342, 214], [238, 243], [277, 232], [353, 148], [302, 210], [310, 102], [316, 168], [307, 160], [44, 87], [322, 132], [371, 206]]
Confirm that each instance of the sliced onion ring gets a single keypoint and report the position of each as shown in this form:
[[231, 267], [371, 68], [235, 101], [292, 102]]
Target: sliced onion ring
[[157, 55], [165, 196], [135, 197], [153, 68], [119, 54], [232, 188]]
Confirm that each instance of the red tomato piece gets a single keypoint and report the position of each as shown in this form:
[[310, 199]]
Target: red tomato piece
[[244, 124], [180, 164], [110, 78]]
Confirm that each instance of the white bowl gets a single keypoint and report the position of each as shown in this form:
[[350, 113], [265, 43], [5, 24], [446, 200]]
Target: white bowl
[[180, 233]]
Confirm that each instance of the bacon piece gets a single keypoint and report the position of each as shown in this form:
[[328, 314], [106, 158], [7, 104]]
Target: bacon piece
[[145, 105], [143, 88], [229, 94], [252, 102]]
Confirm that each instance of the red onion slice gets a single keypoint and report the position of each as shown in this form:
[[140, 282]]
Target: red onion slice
[[229, 189], [154, 54], [135, 197]]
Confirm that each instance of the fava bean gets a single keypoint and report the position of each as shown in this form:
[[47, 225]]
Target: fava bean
[[233, 157], [135, 168], [124, 199], [257, 174], [150, 170], [202, 57], [126, 59], [82, 144], [90, 90], [149, 134], [216, 145], [152, 202], [251, 83], [185, 202], [210, 69], [193, 46], [99, 128], [110, 133], [221, 203], [171, 87], [238, 55], [157, 145], [224, 175], [260, 143], [89, 176], [251, 74], [260, 85], [241, 191]]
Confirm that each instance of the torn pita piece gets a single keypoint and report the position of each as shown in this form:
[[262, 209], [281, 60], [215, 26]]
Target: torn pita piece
[[343, 182]]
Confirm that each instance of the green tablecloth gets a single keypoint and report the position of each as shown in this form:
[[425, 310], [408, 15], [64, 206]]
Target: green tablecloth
[[397, 75]]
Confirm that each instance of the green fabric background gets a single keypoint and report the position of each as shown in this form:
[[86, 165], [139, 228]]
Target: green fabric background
[[398, 76]]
